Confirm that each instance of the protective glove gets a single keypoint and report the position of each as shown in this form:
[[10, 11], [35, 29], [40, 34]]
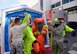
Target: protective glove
[[73, 33], [35, 41], [36, 47]]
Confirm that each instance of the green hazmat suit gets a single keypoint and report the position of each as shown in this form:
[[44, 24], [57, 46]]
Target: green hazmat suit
[[28, 37], [66, 29]]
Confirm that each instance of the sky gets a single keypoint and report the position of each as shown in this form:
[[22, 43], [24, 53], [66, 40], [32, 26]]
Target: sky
[[11, 3]]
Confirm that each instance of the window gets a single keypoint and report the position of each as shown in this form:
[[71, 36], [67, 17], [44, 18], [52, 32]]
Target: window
[[41, 4], [65, 1], [72, 12], [58, 4], [69, 13], [71, 0], [53, 6]]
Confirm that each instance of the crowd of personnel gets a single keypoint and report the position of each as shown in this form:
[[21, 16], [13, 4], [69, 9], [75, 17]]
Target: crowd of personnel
[[29, 39]]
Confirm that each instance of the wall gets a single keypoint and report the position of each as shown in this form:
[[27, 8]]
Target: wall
[[46, 5], [71, 4], [0, 14], [0, 36], [65, 6], [72, 17], [37, 6], [54, 1]]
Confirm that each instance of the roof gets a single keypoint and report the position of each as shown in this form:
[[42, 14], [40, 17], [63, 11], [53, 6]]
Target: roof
[[22, 7]]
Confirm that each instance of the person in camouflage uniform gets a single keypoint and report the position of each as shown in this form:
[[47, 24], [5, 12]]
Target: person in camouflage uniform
[[16, 37], [58, 33]]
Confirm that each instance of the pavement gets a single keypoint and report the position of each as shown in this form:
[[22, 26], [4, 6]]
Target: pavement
[[72, 43]]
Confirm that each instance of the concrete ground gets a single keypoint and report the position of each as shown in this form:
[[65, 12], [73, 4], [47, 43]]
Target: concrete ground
[[72, 43]]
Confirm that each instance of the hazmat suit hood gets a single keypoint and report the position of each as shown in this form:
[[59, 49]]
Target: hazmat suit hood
[[39, 22]]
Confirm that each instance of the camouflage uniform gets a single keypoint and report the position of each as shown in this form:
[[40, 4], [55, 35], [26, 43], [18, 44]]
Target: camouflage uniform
[[16, 38], [17, 48], [57, 38]]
